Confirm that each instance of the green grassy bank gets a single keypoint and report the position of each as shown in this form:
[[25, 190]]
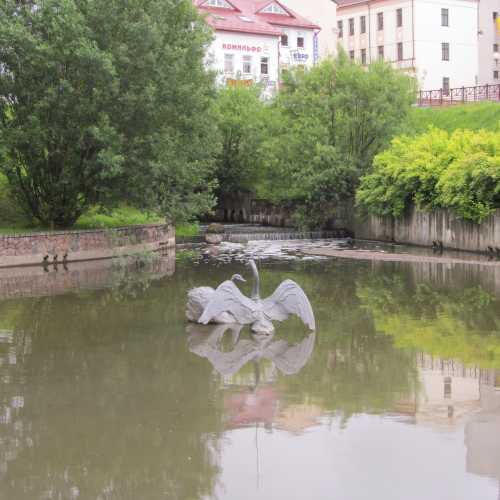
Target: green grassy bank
[[484, 115]]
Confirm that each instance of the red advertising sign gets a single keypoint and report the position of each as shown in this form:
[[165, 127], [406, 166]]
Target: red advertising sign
[[239, 46]]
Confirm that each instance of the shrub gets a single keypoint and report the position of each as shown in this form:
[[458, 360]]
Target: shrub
[[458, 171], [471, 186]]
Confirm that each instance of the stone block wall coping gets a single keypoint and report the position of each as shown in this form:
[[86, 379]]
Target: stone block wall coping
[[80, 231]]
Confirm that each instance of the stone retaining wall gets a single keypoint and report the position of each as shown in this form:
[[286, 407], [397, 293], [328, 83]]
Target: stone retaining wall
[[37, 248], [423, 228]]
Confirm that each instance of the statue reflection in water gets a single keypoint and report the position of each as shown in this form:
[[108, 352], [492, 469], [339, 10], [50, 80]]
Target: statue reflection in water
[[257, 401], [206, 342], [259, 404]]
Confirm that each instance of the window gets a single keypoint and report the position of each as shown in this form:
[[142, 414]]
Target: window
[[222, 4], [284, 40], [264, 65], [445, 51], [300, 42], [351, 55], [228, 63], [399, 18], [446, 85], [362, 24], [380, 21], [495, 15], [340, 27], [447, 388], [274, 8], [400, 51], [495, 47], [351, 26], [495, 74], [247, 65], [380, 49], [363, 56], [445, 17]]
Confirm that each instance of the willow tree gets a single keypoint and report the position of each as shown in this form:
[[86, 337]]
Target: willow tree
[[105, 100]]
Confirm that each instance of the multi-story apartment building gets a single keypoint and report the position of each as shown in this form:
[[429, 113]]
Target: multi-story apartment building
[[435, 40], [489, 41], [255, 40], [322, 13]]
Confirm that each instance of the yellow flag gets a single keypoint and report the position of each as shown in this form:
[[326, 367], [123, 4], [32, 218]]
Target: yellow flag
[[498, 24]]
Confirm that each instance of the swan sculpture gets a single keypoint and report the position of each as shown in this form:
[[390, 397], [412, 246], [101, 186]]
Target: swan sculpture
[[198, 299], [287, 299]]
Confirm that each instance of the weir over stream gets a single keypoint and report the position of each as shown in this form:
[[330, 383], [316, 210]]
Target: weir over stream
[[243, 233]]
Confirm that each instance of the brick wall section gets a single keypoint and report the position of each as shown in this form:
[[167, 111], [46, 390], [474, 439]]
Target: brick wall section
[[83, 245]]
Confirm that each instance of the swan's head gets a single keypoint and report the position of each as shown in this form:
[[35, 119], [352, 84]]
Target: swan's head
[[238, 277]]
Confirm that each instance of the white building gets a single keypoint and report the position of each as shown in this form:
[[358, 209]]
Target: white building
[[489, 41], [435, 40], [322, 13], [254, 40]]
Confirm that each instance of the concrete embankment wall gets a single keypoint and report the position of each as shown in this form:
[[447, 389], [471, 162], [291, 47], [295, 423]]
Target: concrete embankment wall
[[33, 248], [245, 208], [422, 228]]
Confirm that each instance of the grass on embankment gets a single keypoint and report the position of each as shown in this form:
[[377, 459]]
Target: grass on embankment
[[118, 217], [485, 115]]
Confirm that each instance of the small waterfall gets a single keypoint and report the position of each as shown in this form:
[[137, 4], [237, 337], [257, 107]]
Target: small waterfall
[[242, 234], [282, 236]]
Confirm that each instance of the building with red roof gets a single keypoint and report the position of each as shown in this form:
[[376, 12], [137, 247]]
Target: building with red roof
[[255, 39]]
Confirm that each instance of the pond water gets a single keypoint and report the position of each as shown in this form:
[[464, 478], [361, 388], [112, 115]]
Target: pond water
[[107, 393]]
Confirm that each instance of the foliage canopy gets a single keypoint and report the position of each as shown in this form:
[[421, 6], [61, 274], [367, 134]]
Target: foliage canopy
[[460, 171], [329, 123], [242, 121], [101, 100]]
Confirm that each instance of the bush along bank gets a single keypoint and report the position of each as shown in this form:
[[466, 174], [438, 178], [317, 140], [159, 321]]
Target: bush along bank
[[435, 170]]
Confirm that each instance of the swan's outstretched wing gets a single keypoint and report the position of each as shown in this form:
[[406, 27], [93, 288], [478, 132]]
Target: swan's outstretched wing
[[290, 359], [289, 299], [228, 298]]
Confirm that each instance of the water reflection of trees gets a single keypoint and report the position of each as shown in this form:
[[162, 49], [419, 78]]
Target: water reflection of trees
[[447, 321], [354, 368], [114, 406]]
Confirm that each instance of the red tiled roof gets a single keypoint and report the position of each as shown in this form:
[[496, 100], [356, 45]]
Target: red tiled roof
[[348, 3], [247, 18]]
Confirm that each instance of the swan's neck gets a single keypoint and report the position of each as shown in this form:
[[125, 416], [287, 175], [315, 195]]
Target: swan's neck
[[256, 281]]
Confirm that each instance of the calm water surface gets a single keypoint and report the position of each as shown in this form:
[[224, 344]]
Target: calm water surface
[[109, 394]]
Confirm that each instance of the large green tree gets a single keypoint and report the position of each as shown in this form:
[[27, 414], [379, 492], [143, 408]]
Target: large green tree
[[332, 121], [242, 119], [103, 100]]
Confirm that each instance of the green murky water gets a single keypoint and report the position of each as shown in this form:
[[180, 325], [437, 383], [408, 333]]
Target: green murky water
[[109, 394]]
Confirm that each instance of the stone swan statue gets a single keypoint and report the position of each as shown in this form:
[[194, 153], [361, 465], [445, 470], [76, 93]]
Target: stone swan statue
[[287, 299], [198, 299]]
